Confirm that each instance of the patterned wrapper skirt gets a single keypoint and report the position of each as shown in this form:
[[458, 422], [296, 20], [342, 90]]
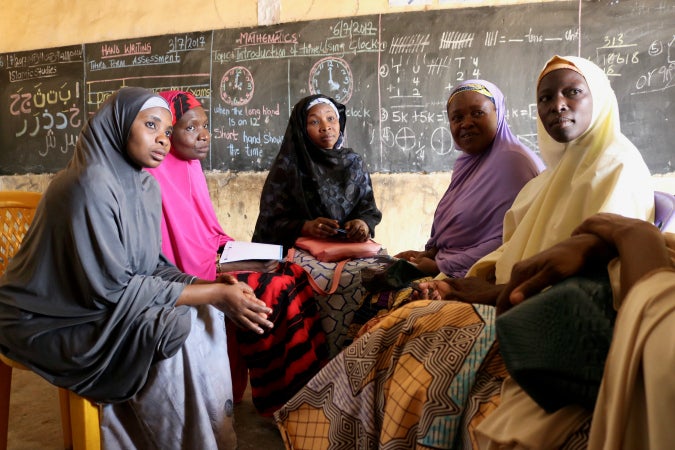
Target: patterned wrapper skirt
[[423, 376]]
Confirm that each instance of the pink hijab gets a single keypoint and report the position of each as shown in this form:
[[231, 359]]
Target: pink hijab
[[191, 234]]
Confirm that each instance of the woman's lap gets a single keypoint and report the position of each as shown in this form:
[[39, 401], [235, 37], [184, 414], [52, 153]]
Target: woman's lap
[[282, 360], [405, 382], [187, 400]]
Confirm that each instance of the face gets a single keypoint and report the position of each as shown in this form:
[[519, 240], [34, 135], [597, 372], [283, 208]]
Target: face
[[473, 121], [150, 137], [564, 104], [323, 126], [191, 135]]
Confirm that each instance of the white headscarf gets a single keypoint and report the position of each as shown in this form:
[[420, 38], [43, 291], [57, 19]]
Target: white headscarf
[[600, 171]]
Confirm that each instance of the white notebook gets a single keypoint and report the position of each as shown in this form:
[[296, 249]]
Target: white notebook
[[242, 251]]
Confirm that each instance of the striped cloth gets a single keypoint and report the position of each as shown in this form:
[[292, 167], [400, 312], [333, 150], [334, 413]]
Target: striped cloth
[[282, 360]]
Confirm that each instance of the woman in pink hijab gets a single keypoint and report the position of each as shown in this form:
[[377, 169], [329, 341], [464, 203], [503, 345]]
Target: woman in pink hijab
[[280, 361]]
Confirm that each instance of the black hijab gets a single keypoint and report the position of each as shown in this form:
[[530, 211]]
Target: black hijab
[[306, 182]]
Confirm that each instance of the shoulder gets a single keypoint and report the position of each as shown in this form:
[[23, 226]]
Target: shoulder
[[352, 158], [518, 154], [622, 156], [80, 193], [517, 161]]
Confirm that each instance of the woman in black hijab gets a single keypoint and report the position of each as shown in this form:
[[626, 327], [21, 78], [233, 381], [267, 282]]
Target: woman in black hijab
[[315, 186]]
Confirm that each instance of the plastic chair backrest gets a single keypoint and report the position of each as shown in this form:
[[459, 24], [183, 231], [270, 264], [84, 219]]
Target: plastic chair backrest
[[664, 211], [17, 209]]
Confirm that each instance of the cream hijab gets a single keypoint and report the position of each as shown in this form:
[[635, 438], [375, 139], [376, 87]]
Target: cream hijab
[[600, 171]]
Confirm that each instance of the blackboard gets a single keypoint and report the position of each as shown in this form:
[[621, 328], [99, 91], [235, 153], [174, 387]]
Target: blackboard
[[393, 72], [42, 108], [158, 63], [634, 42]]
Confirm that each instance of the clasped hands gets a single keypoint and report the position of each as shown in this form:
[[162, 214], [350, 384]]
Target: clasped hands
[[355, 230], [242, 306]]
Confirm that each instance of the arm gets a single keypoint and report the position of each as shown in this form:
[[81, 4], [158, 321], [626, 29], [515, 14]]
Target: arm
[[366, 209], [457, 263], [126, 268], [412, 255], [280, 217], [469, 290], [640, 245], [563, 260], [236, 300]]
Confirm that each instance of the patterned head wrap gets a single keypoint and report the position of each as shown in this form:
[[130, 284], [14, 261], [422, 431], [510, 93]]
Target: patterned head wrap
[[557, 63], [180, 102], [472, 87]]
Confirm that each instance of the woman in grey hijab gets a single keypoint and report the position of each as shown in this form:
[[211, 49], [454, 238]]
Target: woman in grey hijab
[[91, 304]]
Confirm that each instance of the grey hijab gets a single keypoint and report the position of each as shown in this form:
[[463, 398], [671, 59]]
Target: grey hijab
[[88, 302]]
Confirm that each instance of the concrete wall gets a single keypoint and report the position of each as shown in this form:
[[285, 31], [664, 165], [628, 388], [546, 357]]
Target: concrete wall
[[407, 201]]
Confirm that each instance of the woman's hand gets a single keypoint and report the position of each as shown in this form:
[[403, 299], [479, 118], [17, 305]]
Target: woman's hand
[[239, 303], [469, 290], [321, 228], [569, 257], [426, 265], [234, 298], [226, 278], [357, 230], [409, 255], [432, 290]]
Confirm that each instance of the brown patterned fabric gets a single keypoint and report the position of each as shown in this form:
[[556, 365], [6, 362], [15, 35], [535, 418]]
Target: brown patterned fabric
[[401, 385], [424, 376]]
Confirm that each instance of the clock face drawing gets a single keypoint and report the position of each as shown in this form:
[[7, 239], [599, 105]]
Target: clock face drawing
[[332, 76], [236, 86]]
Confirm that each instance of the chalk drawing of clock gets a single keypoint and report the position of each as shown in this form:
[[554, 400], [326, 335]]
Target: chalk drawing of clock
[[332, 76], [236, 86]]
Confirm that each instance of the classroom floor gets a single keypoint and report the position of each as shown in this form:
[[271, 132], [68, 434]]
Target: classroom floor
[[35, 423]]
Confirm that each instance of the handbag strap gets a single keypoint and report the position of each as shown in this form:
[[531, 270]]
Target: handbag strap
[[335, 282]]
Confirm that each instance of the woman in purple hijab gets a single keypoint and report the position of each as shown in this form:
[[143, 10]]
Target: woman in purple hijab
[[486, 178]]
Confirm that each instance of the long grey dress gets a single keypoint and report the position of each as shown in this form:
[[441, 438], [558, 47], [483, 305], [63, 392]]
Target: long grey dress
[[88, 302]]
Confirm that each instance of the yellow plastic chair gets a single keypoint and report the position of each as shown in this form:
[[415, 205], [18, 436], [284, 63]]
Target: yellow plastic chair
[[80, 419]]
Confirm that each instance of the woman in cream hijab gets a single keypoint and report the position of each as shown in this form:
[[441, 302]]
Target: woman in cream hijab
[[598, 171]]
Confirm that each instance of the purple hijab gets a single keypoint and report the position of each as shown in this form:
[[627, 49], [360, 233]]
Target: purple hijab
[[468, 220]]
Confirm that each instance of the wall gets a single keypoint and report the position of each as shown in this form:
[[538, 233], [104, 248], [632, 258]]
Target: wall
[[406, 200]]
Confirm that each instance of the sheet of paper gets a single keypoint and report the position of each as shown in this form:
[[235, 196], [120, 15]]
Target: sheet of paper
[[242, 251]]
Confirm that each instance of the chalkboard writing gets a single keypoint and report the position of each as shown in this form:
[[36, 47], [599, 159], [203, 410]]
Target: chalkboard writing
[[426, 55], [41, 108], [634, 42], [260, 73], [158, 63], [393, 72]]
